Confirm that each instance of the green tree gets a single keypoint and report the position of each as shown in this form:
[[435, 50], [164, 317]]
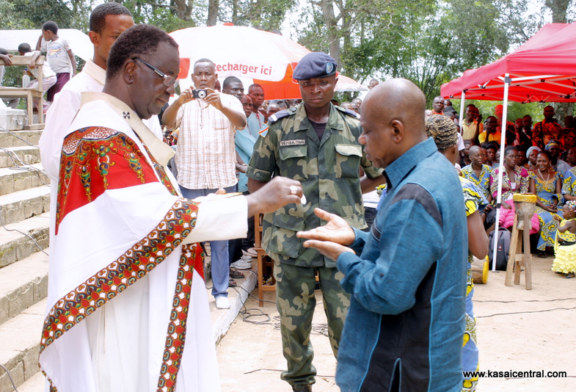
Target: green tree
[[10, 19], [262, 14], [35, 12], [426, 41]]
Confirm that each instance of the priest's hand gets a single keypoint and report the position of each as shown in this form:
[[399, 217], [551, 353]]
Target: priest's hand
[[275, 194]]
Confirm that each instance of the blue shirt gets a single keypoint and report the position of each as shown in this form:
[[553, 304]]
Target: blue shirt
[[255, 123], [406, 316], [244, 142]]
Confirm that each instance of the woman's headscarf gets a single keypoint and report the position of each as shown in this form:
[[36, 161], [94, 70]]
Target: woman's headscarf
[[551, 144], [529, 151]]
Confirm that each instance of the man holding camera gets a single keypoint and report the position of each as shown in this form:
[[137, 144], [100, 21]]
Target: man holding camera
[[205, 156]]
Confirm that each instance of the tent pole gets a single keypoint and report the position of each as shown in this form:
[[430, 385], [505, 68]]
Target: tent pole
[[500, 169], [462, 102]]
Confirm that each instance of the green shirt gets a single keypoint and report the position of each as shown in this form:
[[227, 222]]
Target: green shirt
[[328, 170]]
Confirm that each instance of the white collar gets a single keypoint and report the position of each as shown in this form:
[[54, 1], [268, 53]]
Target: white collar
[[159, 150], [95, 72]]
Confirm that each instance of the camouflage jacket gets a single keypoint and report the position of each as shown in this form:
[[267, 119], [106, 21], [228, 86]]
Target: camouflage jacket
[[328, 170]]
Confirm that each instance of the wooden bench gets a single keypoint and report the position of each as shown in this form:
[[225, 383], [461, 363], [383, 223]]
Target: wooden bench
[[28, 93]]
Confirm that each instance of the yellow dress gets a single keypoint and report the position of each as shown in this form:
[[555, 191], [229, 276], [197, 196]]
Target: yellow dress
[[565, 255]]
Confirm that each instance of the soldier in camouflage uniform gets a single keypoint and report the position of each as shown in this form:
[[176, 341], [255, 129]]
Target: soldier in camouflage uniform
[[316, 144]]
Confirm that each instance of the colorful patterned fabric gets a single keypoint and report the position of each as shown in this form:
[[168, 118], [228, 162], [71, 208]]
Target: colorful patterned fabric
[[564, 255], [546, 192], [94, 160], [473, 200], [509, 188], [482, 183], [569, 183], [118, 265]]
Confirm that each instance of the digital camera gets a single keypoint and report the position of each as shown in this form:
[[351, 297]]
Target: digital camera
[[199, 93]]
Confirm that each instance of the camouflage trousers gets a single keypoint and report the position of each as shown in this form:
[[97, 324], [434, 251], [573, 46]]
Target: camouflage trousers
[[295, 301]]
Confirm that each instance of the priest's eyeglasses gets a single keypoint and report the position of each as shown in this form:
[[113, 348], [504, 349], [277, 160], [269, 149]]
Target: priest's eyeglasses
[[167, 80]]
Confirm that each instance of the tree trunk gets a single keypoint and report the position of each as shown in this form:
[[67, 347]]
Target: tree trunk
[[212, 12], [332, 27], [559, 9], [235, 12], [184, 9]]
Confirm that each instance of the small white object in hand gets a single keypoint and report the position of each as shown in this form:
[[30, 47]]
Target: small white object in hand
[[294, 190]]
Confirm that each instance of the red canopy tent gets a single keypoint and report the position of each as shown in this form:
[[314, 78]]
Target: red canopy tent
[[541, 70]]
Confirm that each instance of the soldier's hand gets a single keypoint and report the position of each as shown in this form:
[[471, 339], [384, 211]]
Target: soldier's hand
[[336, 230], [275, 194]]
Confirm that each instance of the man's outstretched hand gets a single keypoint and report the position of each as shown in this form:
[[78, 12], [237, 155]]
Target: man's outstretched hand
[[330, 239]]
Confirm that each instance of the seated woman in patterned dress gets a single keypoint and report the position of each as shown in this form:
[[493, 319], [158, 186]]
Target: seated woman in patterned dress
[[546, 183], [569, 185], [514, 178]]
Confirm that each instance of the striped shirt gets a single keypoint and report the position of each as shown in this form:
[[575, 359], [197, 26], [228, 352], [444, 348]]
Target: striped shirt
[[205, 156]]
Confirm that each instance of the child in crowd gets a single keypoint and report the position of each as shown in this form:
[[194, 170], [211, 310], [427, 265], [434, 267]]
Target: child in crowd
[[48, 76], [59, 56], [565, 245]]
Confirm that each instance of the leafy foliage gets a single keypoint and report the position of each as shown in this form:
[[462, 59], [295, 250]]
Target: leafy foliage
[[33, 13], [261, 14], [427, 41]]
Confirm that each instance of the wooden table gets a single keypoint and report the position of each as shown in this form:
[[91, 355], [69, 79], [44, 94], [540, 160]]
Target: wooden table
[[28, 93]]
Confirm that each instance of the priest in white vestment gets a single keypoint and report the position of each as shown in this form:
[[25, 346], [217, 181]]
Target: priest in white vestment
[[127, 302]]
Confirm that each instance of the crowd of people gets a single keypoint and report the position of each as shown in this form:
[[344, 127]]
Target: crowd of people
[[537, 158], [127, 307]]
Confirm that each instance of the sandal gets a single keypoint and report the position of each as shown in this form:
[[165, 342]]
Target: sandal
[[236, 274]]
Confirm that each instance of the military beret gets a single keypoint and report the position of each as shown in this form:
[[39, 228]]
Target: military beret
[[315, 65]]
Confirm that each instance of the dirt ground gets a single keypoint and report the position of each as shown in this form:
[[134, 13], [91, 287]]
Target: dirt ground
[[518, 330]]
